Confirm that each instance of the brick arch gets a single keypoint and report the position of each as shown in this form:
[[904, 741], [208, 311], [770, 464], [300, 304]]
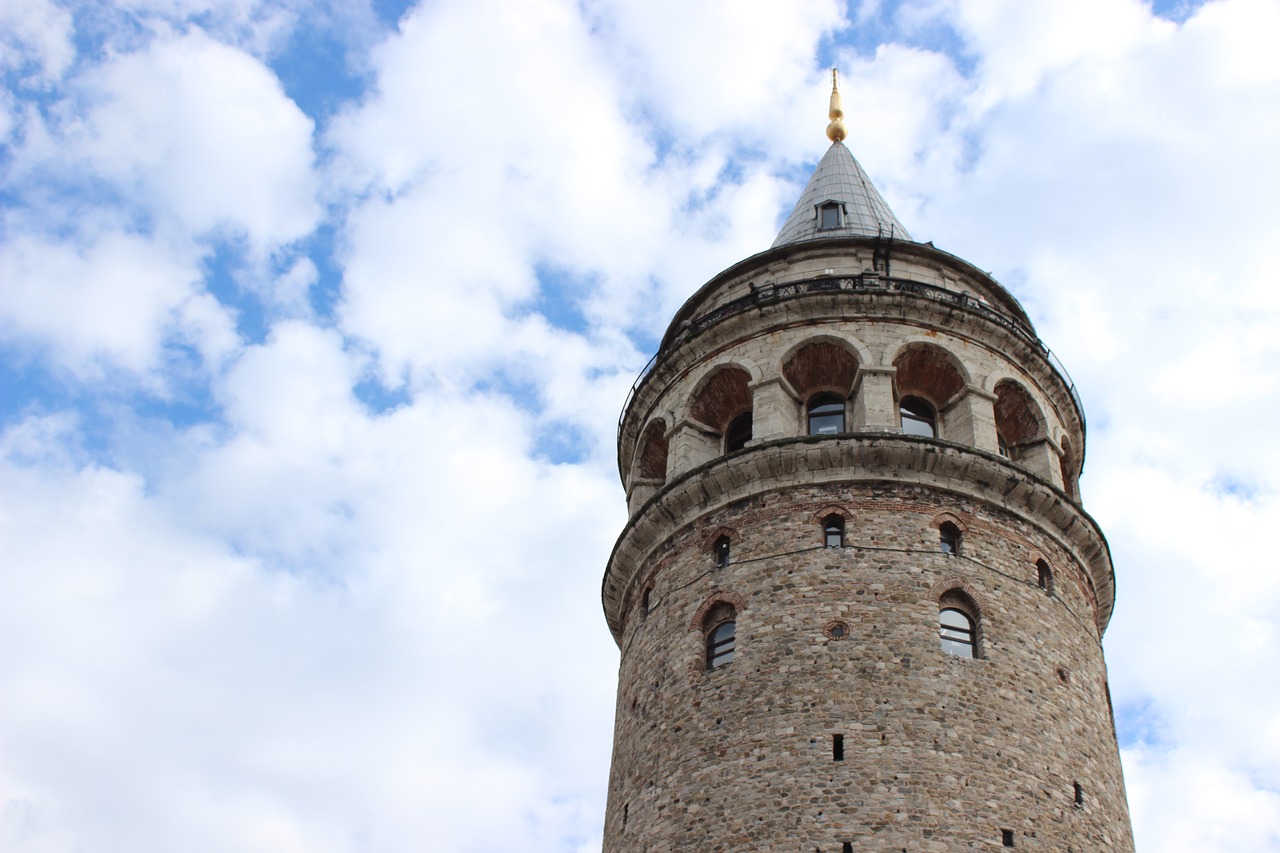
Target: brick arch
[[944, 517], [710, 539], [717, 597], [929, 371], [1018, 417], [959, 584], [821, 364], [651, 458], [832, 509], [722, 395]]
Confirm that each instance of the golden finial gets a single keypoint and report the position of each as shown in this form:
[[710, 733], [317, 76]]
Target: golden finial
[[835, 130]]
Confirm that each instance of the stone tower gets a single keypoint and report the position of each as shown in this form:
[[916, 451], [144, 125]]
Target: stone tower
[[859, 604]]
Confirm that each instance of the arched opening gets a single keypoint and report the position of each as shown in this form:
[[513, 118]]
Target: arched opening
[[1018, 419], [833, 531], [826, 414], [927, 378], [653, 452], [723, 403], [1044, 577], [720, 552], [720, 631], [958, 625], [949, 539]]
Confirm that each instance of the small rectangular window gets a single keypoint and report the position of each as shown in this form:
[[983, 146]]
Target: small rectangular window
[[1006, 837], [837, 747], [847, 847]]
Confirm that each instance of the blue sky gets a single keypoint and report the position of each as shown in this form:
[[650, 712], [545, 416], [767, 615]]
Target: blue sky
[[316, 319]]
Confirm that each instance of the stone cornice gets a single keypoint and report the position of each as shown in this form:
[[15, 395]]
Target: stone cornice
[[856, 458]]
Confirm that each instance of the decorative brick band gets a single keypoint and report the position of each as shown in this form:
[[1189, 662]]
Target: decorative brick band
[[943, 517]]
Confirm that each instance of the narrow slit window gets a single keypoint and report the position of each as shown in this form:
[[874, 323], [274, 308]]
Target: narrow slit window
[[1006, 837], [1044, 577], [949, 539], [837, 747], [847, 847], [720, 552], [1079, 794], [833, 532]]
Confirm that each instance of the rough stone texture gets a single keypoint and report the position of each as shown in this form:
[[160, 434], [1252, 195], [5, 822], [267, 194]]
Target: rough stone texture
[[940, 753]]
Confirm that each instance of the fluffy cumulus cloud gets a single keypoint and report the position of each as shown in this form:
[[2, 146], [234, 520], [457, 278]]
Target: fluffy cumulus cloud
[[317, 318]]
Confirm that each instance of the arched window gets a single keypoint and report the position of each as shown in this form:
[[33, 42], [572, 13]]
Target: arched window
[[826, 414], [1044, 577], [720, 552], [949, 539], [738, 433], [720, 627], [918, 417], [958, 625], [833, 532]]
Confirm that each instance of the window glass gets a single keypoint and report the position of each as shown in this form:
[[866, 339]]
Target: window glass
[[918, 417], [833, 532], [720, 644], [955, 629], [829, 216], [826, 414], [738, 433]]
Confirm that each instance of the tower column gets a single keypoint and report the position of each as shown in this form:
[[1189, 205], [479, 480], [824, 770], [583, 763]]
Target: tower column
[[873, 407], [774, 410], [970, 418], [691, 445]]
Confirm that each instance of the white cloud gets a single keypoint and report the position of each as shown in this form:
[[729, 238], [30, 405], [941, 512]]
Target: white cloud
[[111, 300], [204, 133], [307, 625], [36, 34]]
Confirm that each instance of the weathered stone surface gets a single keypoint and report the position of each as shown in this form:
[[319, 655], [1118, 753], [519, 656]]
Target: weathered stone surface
[[937, 752]]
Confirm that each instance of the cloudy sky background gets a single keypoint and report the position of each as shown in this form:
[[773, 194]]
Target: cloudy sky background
[[316, 317]]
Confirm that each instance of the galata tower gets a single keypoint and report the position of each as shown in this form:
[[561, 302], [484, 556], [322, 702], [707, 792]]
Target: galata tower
[[859, 604]]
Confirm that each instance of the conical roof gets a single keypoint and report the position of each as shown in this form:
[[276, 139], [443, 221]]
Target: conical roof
[[862, 212]]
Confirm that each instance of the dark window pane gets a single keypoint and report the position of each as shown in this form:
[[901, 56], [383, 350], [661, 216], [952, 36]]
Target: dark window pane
[[917, 417], [826, 415], [720, 645], [949, 538], [738, 433], [829, 216]]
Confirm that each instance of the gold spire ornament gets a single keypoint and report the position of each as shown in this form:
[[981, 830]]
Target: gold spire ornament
[[835, 130]]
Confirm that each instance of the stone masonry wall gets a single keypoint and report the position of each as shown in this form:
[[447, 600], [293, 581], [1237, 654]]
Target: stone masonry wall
[[941, 753]]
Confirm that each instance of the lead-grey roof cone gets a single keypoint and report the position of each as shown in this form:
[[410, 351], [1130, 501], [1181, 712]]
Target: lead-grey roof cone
[[839, 178]]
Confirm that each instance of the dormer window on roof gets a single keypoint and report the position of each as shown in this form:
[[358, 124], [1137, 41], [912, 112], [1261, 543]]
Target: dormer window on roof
[[830, 215]]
